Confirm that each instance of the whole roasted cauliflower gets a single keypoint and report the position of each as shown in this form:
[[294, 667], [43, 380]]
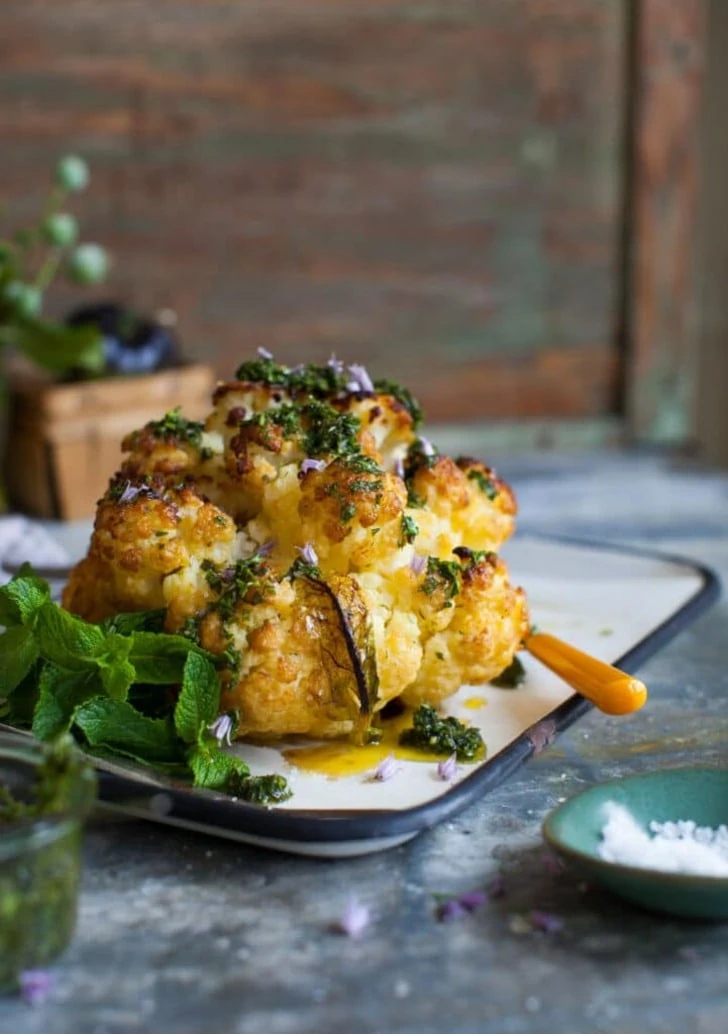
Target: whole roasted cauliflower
[[307, 535]]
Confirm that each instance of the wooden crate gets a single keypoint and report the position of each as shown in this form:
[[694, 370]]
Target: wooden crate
[[64, 439]]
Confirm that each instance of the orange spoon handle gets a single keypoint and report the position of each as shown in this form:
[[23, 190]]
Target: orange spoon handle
[[608, 688]]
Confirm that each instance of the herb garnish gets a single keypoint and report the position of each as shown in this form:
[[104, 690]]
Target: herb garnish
[[59, 673], [264, 371], [174, 426], [330, 432], [404, 396], [408, 530], [486, 485], [286, 416], [435, 735], [512, 676], [442, 575], [246, 581], [473, 557]]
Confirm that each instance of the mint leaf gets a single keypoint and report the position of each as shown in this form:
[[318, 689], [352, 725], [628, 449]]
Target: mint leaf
[[60, 694], [117, 672], [18, 708], [117, 679], [141, 621], [116, 725], [18, 654], [199, 700], [160, 659], [22, 598], [66, 640], [213, 769]]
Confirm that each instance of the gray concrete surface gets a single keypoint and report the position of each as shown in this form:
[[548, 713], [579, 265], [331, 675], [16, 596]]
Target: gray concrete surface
[[183, 933]]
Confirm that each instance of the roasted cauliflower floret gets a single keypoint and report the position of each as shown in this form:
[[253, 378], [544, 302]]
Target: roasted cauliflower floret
[[143, 536], [483, 621], [296, 674], [462, 503], [311, 539]]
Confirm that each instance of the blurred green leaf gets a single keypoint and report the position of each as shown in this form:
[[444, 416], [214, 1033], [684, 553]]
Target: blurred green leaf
[[58, 348]]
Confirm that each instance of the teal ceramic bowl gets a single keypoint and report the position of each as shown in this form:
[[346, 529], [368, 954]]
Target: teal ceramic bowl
[[573, 830]]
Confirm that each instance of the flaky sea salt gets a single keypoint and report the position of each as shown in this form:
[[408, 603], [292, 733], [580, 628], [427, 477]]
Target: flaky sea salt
[[680, 846]]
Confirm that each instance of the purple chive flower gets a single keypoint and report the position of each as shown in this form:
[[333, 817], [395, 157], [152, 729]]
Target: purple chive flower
[[336, 365], [308, 554], [354, 920], [386, 769], [221, 729], [267, 548], [449, 910], [130, 492], [426, 446], [399, 467], [309, 464], [264, 353], [418, 564], [359, 379], [446, 769], [456, 908], [35, 985], [547, 922], [473, 899]]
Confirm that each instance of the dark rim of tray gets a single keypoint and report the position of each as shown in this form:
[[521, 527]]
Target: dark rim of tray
[[223, 816]]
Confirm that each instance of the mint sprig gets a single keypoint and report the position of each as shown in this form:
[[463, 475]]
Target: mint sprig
[[104, 683]]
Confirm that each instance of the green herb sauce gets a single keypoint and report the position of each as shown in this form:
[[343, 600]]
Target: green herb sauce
[[39, 882], [433, 734]]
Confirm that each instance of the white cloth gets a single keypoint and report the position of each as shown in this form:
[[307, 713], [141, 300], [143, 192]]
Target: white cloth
[[23, 540]]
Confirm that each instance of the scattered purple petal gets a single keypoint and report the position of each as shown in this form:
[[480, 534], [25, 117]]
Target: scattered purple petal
[[386, 769], [35, 985], [309, 554], [336, 365], [418, 564], [309, 464], [354, 920], [541, 735], [547, 922], [690, 954], [551, 863], [267, 548], [264, 353], [497, 889], [426, 446], [399, 467], [473, 899], [222, 729], [456, 908], [446, 769], [449, 910], [359, 379]]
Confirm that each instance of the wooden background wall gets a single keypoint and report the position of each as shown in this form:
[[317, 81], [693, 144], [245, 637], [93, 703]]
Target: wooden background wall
[[436, 186]]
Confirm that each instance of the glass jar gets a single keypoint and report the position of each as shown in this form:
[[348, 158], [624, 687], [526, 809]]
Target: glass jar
[[46, 792]]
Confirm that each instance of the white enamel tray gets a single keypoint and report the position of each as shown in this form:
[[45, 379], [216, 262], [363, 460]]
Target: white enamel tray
[[618, 604]]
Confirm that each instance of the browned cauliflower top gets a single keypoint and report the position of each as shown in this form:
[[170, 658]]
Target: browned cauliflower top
[[308, 534]]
